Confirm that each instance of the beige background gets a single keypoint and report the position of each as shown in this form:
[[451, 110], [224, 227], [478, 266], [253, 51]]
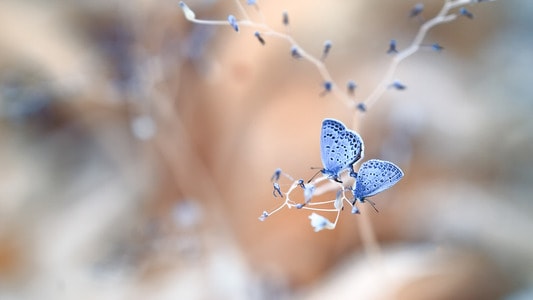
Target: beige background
[[137, 150]]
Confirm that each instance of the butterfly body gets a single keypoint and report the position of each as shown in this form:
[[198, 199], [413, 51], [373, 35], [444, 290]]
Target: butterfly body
[[340, 148]]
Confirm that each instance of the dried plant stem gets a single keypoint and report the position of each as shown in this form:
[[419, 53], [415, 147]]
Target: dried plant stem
[[369, 240], [440, 18], [368, 237]]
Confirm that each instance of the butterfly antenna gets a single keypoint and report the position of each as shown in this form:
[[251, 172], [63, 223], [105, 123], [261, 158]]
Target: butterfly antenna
[[319, 171], [373, 205]]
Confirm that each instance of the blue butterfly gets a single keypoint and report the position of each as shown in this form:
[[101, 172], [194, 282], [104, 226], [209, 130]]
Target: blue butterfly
[[374, 177], [340, 148]]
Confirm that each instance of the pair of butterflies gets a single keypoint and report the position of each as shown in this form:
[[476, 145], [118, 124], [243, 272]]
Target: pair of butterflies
[[341, 148]]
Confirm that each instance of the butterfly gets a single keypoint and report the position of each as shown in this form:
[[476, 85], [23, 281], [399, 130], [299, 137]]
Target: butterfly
[[340, 148], [374, 177]]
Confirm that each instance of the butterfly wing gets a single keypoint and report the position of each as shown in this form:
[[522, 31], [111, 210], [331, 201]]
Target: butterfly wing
[[340, 148], [353, 147], [375, 176]]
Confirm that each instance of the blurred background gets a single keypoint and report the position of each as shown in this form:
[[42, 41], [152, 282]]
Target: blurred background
[[137, 148]]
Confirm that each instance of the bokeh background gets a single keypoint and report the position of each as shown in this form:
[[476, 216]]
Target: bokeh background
[[137, 148]]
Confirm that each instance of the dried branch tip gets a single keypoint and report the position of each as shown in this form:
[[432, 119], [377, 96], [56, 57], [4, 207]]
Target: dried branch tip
[[464, 12], [259, 38], [295, 53], [189, 14], [233, 22], [351, 85], [327, 47], [398, 85], [392, 47], [416, 10], [361, 107], [285, 18]]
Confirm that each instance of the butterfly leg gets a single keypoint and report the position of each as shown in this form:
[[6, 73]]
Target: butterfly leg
[[355, 210], [336, 178], [373, 205]]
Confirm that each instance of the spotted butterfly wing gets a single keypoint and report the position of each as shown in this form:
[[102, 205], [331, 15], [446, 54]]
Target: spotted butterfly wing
[[374, 177], [340, 148]]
